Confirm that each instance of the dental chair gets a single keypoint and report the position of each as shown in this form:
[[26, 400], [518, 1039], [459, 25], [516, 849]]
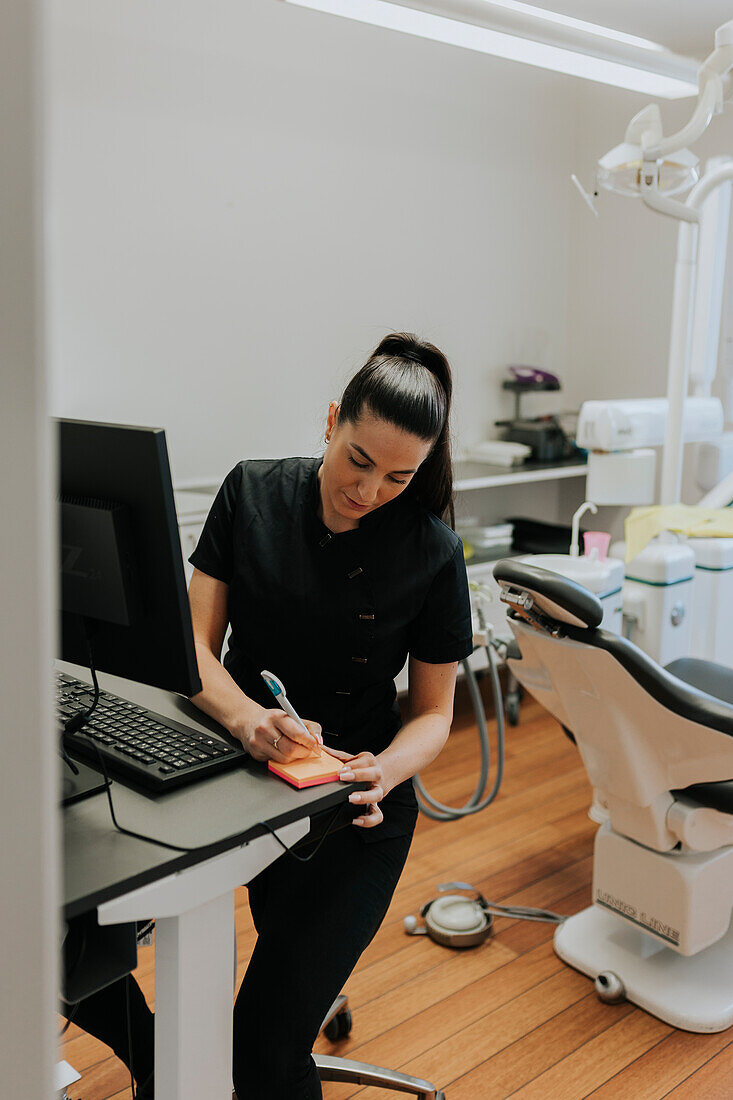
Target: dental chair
[[658, 749]]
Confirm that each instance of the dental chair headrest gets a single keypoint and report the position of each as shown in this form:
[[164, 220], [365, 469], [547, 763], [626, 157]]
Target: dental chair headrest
[[557, 597], [700, 694]]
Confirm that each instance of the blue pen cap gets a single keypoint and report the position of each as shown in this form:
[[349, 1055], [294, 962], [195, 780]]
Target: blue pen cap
[[275, 685]]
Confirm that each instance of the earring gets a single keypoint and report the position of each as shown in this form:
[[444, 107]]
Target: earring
[[327, 438]]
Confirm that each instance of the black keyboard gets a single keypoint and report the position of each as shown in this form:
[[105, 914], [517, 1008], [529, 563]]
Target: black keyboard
[[138, 746]]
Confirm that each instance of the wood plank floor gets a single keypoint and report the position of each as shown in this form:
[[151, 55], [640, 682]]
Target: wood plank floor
[[508, 1018]]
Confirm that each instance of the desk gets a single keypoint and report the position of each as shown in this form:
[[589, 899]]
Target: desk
[[190, 894]]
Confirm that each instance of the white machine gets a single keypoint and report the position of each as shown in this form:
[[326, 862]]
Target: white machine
[[712, 609], [658, 749], [626, 425], [654, 167], [658, 599]]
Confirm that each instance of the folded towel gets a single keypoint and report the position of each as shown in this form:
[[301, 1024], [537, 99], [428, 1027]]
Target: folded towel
[[643, 524]]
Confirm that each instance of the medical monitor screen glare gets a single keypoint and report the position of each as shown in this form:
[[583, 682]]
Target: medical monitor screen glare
[[121, 564]]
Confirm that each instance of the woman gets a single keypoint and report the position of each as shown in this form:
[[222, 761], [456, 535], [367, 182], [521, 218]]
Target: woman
[[330, 573]]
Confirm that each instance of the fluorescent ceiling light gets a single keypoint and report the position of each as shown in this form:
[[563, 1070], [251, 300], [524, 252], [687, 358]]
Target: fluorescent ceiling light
[[577, 24], [534, 36]]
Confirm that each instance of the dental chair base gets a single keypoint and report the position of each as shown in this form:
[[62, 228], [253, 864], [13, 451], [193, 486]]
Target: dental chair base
[[694, 993], [659, 931], [684, 899]]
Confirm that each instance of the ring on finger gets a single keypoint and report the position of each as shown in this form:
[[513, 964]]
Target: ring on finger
[[274, 743]]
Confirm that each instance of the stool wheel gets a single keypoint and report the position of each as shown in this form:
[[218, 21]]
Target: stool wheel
[[338, 1027], [512, 710]]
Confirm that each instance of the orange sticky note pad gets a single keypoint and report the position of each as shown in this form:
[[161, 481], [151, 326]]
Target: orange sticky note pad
[[308, 773]]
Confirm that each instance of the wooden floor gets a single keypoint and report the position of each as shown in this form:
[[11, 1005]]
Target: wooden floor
[[507, 1018]]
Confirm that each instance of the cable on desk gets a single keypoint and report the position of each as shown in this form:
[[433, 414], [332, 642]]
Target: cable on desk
[[290, 852], [69, 974], [77, 723], [129, 1035], [69, 1019]]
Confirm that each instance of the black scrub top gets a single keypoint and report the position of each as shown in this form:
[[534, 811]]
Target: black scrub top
[[334, 616]]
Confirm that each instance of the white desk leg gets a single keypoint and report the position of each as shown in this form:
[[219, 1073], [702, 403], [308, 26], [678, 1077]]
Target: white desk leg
[[193, 1002]]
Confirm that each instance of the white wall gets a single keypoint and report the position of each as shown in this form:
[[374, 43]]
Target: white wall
[[28, 778], [247, 196]]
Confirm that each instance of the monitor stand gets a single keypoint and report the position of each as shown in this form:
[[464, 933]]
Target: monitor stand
[[76, 787]]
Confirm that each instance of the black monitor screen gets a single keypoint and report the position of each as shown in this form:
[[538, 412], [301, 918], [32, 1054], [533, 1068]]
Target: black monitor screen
[[122, 579]]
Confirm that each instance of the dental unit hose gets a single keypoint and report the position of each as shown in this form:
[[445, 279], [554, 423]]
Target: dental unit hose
[[430, 806]]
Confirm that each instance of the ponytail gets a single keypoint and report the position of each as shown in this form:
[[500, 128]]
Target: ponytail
[[407, 382]]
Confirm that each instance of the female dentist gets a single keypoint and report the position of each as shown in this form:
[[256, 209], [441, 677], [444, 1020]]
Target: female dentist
[[331, 572]]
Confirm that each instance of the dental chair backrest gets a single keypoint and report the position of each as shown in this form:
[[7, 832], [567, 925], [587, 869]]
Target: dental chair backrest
[[642, 733]]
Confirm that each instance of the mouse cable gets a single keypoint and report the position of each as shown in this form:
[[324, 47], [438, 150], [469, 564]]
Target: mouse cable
[[129, 1034]]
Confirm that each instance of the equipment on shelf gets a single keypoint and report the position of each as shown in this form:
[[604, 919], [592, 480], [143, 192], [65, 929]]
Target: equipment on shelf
[[542, 434], [500, 452]]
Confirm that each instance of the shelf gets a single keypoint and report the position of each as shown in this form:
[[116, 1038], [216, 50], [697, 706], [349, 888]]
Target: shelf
[[191, 505], [480, 475]]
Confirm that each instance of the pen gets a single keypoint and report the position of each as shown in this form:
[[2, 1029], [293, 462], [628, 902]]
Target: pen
[[278, 690]]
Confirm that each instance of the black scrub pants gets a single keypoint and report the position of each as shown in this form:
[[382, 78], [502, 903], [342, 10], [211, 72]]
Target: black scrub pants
[[313, 921]]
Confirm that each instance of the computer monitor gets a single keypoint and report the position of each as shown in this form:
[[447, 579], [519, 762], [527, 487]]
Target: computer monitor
[[122, 578]]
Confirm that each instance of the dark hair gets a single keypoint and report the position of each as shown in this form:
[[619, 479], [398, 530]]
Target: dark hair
[[407, 382]]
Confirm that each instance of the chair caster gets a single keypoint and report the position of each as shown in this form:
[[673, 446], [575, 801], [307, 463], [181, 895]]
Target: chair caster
[[610, 988], [337, 1023], [339, 1026], [512, 702]]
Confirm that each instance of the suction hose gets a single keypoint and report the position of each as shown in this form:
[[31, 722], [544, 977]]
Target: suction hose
[[438, 811]]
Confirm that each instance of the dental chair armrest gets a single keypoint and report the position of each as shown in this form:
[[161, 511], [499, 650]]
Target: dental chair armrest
[[715, 680], [700, 827]]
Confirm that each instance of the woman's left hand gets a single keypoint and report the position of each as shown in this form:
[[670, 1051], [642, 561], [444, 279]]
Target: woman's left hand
[[364, 768]]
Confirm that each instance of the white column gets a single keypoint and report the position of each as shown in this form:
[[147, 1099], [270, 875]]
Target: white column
[[193, 1003], [679, 361], [28, 779]]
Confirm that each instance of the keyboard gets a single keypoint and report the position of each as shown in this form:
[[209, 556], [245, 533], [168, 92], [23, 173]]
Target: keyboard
[[139, 747]]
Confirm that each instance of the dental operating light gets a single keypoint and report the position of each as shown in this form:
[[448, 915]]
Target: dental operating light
[[620, 170], [532, 35]]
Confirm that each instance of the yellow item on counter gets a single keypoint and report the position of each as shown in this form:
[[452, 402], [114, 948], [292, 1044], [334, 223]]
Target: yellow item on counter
[[644, 524]]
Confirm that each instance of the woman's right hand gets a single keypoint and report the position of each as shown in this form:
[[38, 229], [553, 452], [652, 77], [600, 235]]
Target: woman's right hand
[[274, 735]]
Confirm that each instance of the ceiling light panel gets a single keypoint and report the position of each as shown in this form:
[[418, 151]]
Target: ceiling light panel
[[533, 36]]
